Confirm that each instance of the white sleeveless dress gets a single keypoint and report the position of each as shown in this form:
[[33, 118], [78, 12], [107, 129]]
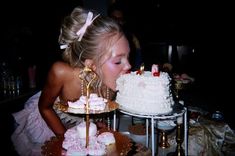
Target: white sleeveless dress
[[32, 131]]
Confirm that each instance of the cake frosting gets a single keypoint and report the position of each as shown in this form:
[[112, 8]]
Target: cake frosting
[[81, 129], [106, 138], [147, 93], [95, 102], [93, 149], [75, 141], [77, 135]]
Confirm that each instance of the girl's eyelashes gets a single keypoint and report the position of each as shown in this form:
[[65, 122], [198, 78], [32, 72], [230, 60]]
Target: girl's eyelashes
[[119, 62]]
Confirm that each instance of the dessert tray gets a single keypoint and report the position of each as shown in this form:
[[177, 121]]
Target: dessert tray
[[123, 146], [110, 106]]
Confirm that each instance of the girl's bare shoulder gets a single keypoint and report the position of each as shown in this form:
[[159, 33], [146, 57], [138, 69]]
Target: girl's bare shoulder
[[61, 68]]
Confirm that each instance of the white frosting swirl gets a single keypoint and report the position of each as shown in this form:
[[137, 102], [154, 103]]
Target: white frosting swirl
[[95, 102]]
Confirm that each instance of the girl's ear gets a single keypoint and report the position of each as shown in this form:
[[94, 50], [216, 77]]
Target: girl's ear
[[90, 63]]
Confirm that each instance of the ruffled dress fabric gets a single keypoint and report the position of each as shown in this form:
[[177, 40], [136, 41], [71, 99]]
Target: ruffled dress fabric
[[32, 131]]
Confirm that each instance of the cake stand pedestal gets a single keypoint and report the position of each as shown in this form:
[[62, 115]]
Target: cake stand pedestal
[[179, 111]]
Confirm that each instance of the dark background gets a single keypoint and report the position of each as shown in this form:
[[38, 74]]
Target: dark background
[[30, 30]]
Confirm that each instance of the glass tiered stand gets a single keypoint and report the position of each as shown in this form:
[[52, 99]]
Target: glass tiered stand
[[179, 114]]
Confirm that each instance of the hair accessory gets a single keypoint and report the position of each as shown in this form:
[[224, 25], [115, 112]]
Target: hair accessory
[[89, 20], [63, 46]]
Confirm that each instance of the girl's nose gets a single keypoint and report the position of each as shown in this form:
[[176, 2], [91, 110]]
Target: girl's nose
[[127, 66]]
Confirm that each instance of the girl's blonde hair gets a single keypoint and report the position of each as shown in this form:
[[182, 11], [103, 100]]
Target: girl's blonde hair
[[96, 42]]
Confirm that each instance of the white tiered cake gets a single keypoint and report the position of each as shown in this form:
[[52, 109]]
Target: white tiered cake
[[147, 93]]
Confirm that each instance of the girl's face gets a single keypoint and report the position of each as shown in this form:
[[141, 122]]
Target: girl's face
[[117, 64]]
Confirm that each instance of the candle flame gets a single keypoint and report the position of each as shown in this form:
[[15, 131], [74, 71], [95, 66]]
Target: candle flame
[[142, 69]]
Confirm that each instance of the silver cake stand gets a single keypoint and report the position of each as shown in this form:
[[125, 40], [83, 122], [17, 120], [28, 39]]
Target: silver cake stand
[[179, 111]]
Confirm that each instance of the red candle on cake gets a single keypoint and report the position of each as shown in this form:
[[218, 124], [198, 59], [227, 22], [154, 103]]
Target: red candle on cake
[[155, 70]]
